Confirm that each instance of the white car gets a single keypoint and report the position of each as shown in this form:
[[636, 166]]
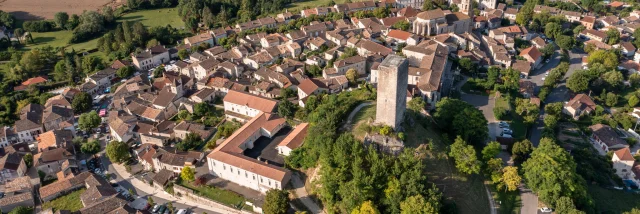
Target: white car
[[543, 78], [182, 211], [546, 210], [503, 124]]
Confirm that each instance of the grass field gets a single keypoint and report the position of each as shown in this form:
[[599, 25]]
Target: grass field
[[69, 202], [303, 4], [613, 201], [364, 115], [220, 195], [152, 18], [149, 18]]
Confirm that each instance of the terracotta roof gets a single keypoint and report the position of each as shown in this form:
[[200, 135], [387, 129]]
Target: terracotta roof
[[296, 137], [229, 151], [64, 185], [199, 38], [162, 177], [308, 86], [11, 161], [18, 184], [581, 102], [17, 199], [628, 46], [252, 101], [532, 51], [624, 154], [55, 139], [588, 19], [399, 34]]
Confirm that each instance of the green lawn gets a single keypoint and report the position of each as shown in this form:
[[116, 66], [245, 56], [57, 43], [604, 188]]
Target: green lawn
[[149, 18], [365, 114], [152, 18], [613, 201], [220, 195], [69, 202], [303, 4], [507, 202]]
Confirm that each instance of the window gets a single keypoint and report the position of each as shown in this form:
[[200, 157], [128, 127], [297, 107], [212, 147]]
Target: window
[[238, 172], [231, 168], [254, 177], [224, 167], [245, 174]]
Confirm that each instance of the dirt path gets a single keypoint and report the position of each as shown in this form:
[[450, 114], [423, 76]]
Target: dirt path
[[353, 113]]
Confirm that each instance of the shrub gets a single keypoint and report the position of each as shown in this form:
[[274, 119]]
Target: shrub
[[38, 26], [499, 112]]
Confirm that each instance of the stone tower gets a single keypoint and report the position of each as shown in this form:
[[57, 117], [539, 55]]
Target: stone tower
[[467, 8], [391, 102]]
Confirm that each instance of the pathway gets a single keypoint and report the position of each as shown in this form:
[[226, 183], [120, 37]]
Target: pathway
[[353, 113], [302, 194]]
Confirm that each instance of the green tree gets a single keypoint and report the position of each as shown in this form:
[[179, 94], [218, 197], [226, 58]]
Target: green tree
[[158, 72], [565, 205], [183, 54], [471, 124], [81, 102], [91, 147], [191, 141], [553, 30], [352, 76], [612, 99], [386, 130], [417, 205], [467, 65], [613, 35], [605, 57], [521, 150], [511, 178], [633, 101], [560, 178], [89, 121], [579, 81], [550, 121], [613, 78], [125, 71], [21, 210], [634, 79], [464, 156], [565, 42], [61, 19], [367, 207], [28, 160], [117, 152], [188, 174], [416, 105], [402, 25], [276, 202], [150, 201], [286, 109], [491, 150], [554, 108]]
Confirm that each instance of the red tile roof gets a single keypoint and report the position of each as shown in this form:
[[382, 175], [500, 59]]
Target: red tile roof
[[399, 34], [532, 51]]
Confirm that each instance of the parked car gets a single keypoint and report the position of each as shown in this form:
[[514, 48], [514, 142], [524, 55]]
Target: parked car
[[162, 208], [503, 124], [507, 131], [505, 135], [182, 211], [546, 210], [156, 208]]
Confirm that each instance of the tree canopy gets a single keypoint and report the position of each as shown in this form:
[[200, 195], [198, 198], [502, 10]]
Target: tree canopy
[[560, 177], [190, 142], [89, 121], [276, 202], [465, 157], [91, 147], [118, 152], [81, 102]]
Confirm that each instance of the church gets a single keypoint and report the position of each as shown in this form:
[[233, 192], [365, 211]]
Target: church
[[437, 21]]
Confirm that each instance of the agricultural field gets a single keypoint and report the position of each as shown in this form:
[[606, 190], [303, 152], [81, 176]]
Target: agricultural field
[[46, 9]]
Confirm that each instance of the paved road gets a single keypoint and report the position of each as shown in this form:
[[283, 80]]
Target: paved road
[[559, 94], [301, 193], [529, 201], [485, 104]]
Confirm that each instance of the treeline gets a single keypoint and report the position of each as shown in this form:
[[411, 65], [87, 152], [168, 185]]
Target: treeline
[[228, 11], [149, 4], [128, 37]]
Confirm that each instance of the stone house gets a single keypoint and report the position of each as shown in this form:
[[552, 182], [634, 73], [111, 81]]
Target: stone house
[[150, 58], [605, 138], [580, 104], [623, 163]]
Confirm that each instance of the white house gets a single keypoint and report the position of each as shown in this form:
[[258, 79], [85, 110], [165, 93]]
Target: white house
[[623, 163], [293, 140], [244, 106], [228, 162], [605, 138], [151, 58]]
